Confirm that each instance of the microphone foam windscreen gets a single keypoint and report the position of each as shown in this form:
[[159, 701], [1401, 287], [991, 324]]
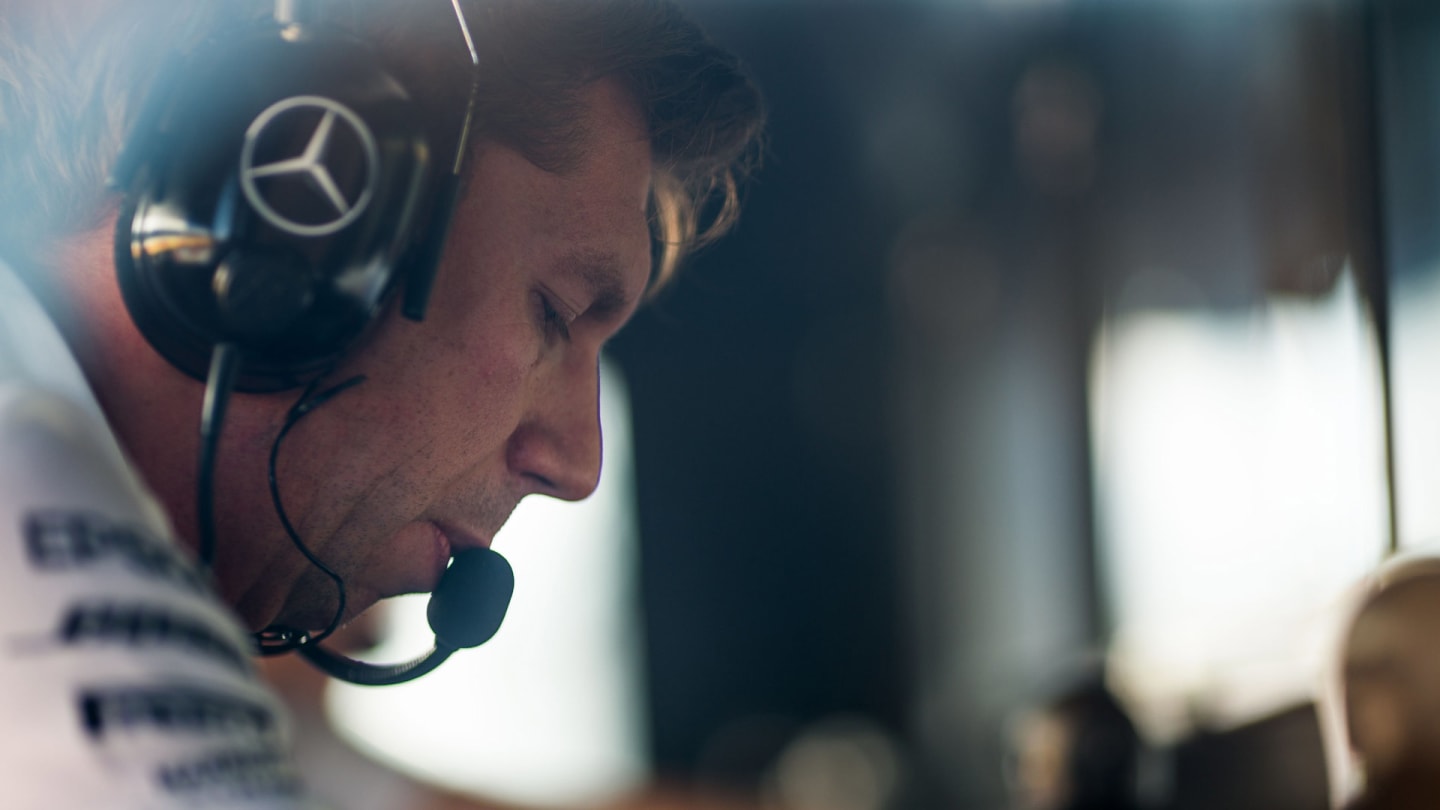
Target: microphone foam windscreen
[[470, 602]]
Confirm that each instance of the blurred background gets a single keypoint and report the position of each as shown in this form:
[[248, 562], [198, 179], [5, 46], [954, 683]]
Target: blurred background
[[1072, 362]]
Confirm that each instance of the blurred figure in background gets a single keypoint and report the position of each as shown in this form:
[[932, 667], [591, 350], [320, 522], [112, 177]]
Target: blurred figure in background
[[1390, 668], [1078, 750]]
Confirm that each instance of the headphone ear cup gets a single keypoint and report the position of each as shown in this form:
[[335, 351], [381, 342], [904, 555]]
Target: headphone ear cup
[[272, 212], [263, 291]]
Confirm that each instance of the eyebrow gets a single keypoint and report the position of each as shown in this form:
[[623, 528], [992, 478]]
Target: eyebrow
[[599, 272]]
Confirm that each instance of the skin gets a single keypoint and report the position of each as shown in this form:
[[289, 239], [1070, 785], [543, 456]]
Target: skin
[[1391, 667], [492, 398]]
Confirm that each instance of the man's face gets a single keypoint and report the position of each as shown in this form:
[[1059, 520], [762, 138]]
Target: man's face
[[492, 398]]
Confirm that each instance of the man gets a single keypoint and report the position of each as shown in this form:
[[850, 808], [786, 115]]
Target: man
[[1076, 749], [600, 129], [1387, 749]]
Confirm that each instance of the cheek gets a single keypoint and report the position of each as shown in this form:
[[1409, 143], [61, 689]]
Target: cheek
[[1377, 723], [460, 385]]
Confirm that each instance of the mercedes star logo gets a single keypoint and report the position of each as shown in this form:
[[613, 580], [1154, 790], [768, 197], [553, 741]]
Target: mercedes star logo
[[310, 165]]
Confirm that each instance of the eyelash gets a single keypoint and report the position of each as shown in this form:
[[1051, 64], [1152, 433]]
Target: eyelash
[[554, 323]]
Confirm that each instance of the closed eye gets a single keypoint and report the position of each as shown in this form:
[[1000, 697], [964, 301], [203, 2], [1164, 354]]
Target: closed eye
[[552, 322]]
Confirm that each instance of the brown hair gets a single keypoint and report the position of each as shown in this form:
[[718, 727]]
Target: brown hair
[[66, 96]]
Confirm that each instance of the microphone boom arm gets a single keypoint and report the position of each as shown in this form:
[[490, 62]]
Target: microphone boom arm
[[348, 669], [465, 611]]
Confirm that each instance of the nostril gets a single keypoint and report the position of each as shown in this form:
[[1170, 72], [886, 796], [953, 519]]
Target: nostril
[[546, 484]]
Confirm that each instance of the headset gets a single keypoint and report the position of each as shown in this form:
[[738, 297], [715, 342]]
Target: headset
[[280, 189]]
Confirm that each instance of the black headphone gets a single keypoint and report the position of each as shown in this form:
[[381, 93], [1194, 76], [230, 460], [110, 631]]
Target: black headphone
[[275, 184], [280, 189]]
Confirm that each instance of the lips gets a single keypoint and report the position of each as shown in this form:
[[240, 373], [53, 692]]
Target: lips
[[459, 539], [441, 550], [450, 540], [419, 555]]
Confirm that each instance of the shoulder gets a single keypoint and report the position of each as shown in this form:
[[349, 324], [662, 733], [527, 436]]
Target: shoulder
[[128, 682], [54, 448]]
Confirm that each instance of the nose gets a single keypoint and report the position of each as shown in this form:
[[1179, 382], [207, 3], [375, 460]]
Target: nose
[[556, 449]]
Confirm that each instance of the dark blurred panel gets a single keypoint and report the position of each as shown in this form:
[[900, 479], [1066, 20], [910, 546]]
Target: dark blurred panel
[[1269, 764], [759, 388], [1409, 119], [1408, 64]]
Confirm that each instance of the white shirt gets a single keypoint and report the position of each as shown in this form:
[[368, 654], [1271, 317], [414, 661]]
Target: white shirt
[[124, 682]]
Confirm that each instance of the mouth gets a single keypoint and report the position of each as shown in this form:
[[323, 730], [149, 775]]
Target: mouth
[[449, 540], [441, 550], [418, 556], [458, 539]]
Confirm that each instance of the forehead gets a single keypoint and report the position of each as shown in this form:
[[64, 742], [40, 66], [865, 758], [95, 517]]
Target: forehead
[[611, 186], [616, 140], [590, 220]]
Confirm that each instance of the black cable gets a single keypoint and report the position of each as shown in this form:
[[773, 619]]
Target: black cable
[[281, 639], [224, 363], [351, 671]]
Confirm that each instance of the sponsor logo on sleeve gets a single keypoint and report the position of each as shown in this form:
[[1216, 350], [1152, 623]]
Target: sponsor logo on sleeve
[[172, 710], [198, 744], [63, 541], [148, 626], [245, 774]]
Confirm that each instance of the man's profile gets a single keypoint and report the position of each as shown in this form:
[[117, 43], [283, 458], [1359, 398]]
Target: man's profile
[[595, 142]]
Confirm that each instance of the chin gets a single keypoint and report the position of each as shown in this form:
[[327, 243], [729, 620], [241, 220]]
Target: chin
[[311, 606], [414, 560]]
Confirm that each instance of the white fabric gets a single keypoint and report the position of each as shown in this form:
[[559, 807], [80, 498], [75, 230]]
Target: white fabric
[[124, 683]]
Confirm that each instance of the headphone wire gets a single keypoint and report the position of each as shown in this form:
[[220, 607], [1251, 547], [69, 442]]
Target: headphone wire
[[224, 363], [280, 639]]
